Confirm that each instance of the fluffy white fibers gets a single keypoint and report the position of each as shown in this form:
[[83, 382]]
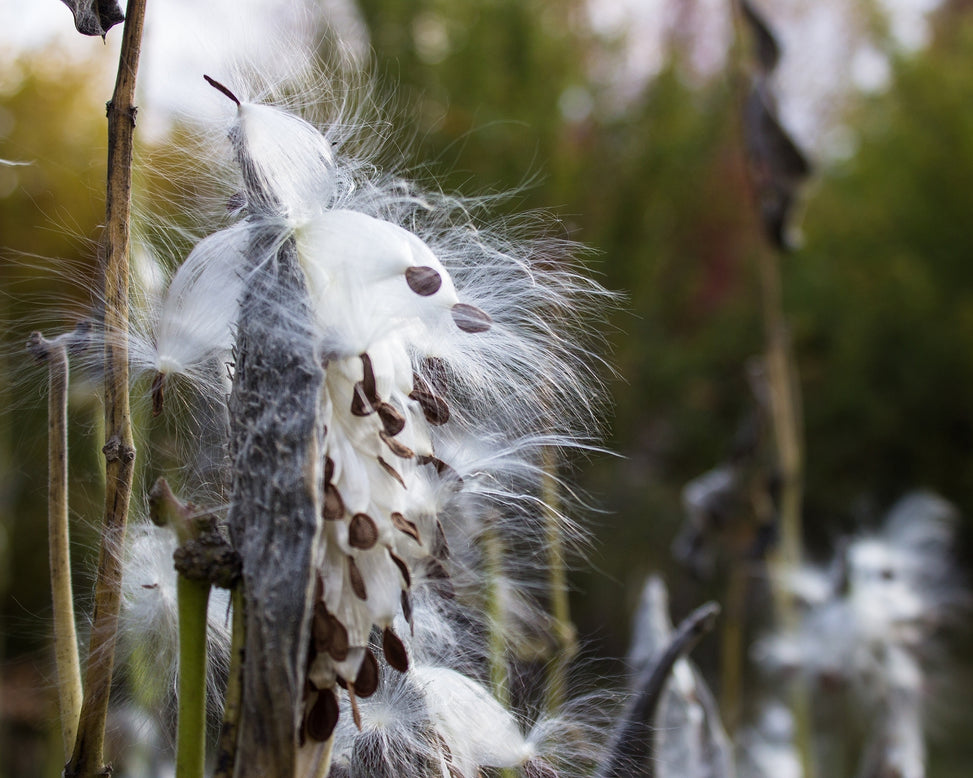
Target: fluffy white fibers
[[459, 360]]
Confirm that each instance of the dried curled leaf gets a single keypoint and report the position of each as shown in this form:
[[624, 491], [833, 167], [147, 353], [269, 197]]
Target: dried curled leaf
[[95, 17]]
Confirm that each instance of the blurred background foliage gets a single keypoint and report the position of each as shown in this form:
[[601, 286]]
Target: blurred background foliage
[[507, 94]]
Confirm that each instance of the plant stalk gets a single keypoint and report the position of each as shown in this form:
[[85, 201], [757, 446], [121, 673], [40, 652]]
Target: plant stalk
[[88, 756], [234, 689], [193, 599], [55, 354], [564, 633]]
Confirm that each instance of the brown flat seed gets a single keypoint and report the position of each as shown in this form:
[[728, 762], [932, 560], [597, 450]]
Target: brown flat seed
[[359, 403], [362, 531], [357, 582], [392, 420], [323, 716], [435, 370], [338, 647], [471, 319], [328, 469], [434, 408], [368, 381], [366, 682], [403, 568], [423, 280], [334, 506], [391, 471], [442, 469], [440, 548], [402, 524], [394, 650], [321, 631], [400, 450], [158, 393], [406, 601]]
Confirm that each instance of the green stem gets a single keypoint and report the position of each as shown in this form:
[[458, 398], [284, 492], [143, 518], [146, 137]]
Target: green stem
[[192, 598], [234, 689], [564, 632]]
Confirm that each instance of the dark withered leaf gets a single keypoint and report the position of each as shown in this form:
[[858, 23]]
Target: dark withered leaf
[[323, 716], [95, 17], [356, 580], [423, 281], [362, 531], [394, 650], [366, 682], [402, 524], [778, 166], [766, 48], [471, 319]]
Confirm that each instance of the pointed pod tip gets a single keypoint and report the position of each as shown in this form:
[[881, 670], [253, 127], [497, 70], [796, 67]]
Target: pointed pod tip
[[220, 88]]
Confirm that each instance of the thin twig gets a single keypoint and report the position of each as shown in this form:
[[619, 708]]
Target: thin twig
[[88, 757], [55, 354], [626, 757]]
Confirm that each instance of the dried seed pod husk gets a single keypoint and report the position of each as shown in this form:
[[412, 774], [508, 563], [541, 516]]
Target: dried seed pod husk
[[423, 280], [323, 716], [362, 531], [394, 650], [471, 319]]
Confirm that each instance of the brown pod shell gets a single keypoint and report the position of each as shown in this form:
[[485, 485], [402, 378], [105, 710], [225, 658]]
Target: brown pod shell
[[366, 682], [434, 408], [356, 580], [323, 716], [392, 421], [423, 280], [402, 524], [399, 449], [471, 319], [394, 650], [362, 531], [334, 507]]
